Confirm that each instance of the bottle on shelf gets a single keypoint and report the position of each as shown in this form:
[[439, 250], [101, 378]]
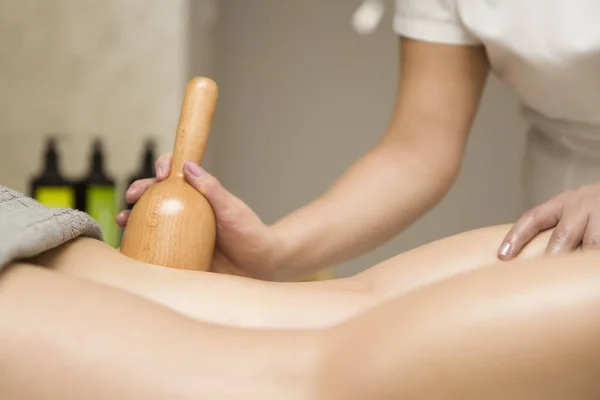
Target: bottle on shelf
[[50, 187], [147, 166], [97, 195]]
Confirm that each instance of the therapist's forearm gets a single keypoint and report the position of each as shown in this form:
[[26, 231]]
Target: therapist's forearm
[[410, 170], [384, 192]]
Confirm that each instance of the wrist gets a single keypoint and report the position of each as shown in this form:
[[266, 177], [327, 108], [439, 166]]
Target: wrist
[[287, 262]]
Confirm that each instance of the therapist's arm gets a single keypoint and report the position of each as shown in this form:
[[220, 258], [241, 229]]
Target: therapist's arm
[[405, 174], [409, 171]]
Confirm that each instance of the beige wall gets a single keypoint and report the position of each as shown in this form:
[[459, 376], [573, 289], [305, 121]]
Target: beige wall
[[302, 96], [114, 68]]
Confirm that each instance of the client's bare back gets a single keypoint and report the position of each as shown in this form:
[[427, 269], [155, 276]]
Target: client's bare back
[[252, 303], [525, 329]]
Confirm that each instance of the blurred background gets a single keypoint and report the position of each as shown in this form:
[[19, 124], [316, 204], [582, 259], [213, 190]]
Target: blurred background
[[302, 96]]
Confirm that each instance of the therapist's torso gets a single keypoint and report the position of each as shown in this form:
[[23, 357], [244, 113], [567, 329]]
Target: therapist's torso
[[548, 52]]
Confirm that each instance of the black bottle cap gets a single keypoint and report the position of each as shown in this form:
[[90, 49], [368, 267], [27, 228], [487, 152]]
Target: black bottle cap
[[97, 156], [51, 157], [147, 168], [97, 175], [50, 174], [149, 158]]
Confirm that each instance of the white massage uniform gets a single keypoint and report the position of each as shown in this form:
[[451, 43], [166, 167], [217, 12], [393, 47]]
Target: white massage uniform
[[548, 52]]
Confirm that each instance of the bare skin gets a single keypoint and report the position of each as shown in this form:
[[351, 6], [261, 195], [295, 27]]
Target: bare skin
[[62, 337], [408, 171], [524, 329], [239, 301]]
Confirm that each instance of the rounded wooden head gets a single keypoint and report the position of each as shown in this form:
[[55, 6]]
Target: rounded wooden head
[[172, 224]]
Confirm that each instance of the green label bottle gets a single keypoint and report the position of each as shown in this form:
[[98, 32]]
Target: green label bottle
[[99, 196], [50, 188], [101, 205], [55, 196]]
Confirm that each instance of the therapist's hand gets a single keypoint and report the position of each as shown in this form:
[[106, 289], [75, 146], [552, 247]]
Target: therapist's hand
[[575, 215], [245, 245]]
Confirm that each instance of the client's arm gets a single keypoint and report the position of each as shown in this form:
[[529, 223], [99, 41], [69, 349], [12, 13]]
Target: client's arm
[[62, 337], [246, 302]]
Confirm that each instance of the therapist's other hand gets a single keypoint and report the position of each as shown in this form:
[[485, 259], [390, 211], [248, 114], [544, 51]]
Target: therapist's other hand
[[245, 245], [575, 215]]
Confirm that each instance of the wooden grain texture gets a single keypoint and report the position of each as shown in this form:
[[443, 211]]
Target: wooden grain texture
[[172, 224]]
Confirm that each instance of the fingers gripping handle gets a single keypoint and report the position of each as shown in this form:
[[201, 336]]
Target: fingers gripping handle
[[195, 121]]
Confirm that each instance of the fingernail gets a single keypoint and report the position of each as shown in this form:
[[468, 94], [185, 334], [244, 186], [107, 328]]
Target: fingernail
[[160, 171], [505, 249], [194, 169], [131, 191], [119, 217]]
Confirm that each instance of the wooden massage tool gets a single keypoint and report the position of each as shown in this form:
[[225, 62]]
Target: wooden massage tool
[[172, 224]]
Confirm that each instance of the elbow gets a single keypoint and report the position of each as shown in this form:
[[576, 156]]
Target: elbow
[[440, 177], [434, 165], [444, 173]]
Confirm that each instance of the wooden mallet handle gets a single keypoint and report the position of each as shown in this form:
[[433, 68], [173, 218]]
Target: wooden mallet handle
[[195, 121], [173, 224]]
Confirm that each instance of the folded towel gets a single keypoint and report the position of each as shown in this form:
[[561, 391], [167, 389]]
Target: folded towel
[[28, 228]]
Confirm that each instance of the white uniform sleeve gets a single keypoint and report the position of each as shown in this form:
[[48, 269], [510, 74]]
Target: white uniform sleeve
[[432, 21]]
